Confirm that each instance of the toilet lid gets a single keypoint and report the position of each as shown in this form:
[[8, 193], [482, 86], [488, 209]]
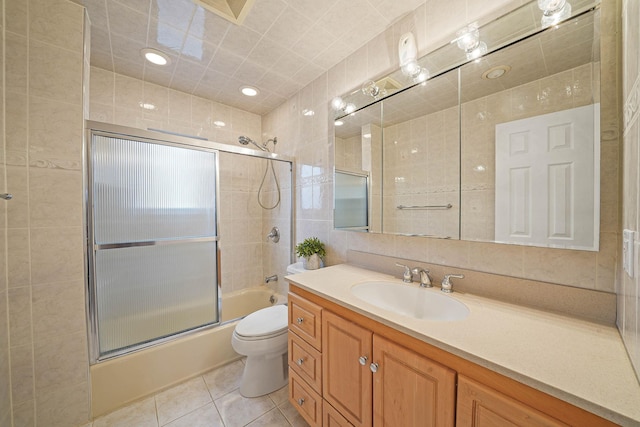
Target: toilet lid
[[267, 321]]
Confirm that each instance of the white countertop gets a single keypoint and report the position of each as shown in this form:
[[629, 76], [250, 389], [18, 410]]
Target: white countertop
[[580, 362]]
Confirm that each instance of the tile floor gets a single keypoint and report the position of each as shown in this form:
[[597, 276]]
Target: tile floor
[[210, 400]]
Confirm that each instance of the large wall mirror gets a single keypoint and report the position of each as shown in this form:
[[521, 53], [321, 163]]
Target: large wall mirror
[[504, 148]]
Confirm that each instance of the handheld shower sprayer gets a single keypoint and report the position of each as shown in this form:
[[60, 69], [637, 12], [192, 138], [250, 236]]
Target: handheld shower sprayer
[[245, 140]]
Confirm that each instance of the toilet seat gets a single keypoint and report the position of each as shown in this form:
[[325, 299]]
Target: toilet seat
[[263, 324]]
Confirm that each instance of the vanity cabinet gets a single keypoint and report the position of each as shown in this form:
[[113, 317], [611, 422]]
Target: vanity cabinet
[[365, 379], [481, 406], [333, 353]]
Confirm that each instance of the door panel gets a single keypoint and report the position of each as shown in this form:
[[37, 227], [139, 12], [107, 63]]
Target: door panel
[[409, 389], [346, 384]]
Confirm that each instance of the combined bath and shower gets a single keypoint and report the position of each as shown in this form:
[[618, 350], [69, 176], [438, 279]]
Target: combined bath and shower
[[245, 140]]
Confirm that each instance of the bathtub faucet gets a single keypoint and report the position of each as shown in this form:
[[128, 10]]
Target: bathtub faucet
[[273, 278]]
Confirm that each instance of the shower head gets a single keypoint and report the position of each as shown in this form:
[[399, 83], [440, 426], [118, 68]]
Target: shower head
[[245, 140]]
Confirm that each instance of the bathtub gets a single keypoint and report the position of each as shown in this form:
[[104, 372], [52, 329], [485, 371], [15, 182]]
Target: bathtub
[[119, 381]]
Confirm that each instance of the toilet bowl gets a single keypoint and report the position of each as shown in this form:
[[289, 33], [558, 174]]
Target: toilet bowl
[[262, 337]]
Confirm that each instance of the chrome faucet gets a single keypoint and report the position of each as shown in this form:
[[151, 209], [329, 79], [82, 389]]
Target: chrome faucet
[[273, 278], [407, 276], [447, 285], [425, 279]]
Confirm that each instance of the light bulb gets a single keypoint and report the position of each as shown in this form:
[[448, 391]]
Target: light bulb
[[338, 103]]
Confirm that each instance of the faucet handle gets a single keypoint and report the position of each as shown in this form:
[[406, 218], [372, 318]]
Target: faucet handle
[[407, 277], [425, 279], [447, 285]]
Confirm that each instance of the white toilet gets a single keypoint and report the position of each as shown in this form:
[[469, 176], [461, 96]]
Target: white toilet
[[262, 337]]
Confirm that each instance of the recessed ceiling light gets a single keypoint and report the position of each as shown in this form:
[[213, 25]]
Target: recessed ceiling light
[[155, 56], [338, 123], [219, 123], [249, 90], [307, 112]]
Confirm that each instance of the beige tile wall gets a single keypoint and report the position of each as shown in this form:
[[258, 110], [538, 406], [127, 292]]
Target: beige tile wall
[[310, 139], [5, 385], [45, 269], [629, 287]]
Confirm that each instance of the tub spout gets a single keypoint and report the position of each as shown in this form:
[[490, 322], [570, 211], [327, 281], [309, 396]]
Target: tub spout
[[273, 278]]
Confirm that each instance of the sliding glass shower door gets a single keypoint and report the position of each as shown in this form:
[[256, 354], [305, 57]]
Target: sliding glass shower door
[[153, 227]]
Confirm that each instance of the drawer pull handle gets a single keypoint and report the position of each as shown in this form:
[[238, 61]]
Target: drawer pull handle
[[362, 360], [300, 401], [300, 361], [300, 320], [374, 367]]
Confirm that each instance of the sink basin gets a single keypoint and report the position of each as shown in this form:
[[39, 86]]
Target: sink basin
[[411, 301]]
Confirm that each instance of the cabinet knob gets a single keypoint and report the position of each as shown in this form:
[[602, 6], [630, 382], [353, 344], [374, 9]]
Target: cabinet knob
[[300, 320], [300, 401], [300, 361], [363, 360], [374, 367]]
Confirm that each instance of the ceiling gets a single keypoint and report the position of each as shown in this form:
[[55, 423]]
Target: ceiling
[[282, 45]]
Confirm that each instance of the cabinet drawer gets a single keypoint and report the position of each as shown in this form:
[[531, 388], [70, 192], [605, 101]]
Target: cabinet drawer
[[305, 400], [305, 320], [305, 361], [332, 418]]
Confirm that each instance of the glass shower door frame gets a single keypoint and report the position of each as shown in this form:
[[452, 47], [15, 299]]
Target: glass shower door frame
[[92, 247]]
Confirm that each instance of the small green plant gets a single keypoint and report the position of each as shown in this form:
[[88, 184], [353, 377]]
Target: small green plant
[[310, 246]]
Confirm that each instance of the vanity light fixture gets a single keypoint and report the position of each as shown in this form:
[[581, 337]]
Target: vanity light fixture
[[249, 90], [371, 89], [155, 56], [468, 39], [554, 11], [338, 104]]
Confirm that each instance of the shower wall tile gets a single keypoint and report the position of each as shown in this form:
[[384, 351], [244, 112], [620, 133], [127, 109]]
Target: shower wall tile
[[58, 360], [16, 76], [101, 90], [55, 73], [55, 197], [57, 22], [16, 12], [56, 255], [16, 122], [22, 374], [24, 414], [65, 406], [58, 309], [52, 125], [20, 316], [18, 259]]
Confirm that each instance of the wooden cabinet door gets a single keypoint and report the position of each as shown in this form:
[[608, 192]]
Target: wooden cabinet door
[[346, 384], [333, 418], [409, 389], [481, 406]]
